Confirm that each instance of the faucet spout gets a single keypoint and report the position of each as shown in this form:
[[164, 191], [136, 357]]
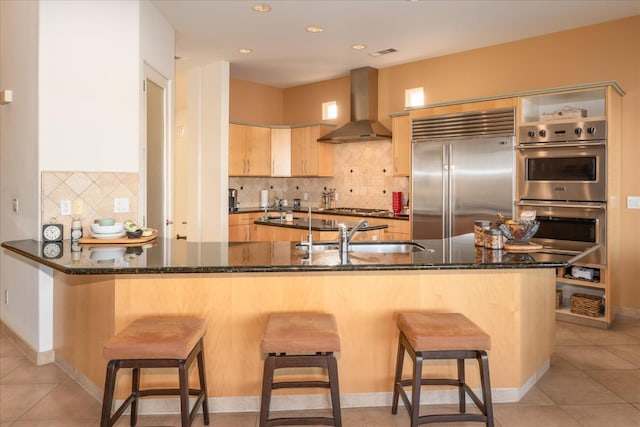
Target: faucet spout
[[345, 236]]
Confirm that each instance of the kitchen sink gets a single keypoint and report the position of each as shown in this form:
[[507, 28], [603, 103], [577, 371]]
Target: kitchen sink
[[386, 247], [369, 247]]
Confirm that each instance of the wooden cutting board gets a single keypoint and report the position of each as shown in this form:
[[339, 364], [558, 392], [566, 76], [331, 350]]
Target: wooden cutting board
[[122, 241], [531, 247]]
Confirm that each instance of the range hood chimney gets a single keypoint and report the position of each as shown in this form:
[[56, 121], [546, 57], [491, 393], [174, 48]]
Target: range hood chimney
[[364, 125]]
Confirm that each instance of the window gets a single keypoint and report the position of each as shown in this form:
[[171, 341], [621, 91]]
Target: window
[[414, 97], [329, 110]]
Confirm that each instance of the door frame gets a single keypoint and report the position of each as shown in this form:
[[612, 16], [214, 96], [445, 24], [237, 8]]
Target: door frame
[[151, 74]]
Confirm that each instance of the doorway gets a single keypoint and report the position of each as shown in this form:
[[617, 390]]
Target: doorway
[[156, 164]]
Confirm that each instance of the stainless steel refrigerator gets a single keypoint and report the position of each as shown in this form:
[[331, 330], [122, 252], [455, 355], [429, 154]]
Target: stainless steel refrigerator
[[461, 173]]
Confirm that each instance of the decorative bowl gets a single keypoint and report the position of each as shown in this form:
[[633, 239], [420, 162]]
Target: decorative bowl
[[519, 232], [106, 221], [107, 229]]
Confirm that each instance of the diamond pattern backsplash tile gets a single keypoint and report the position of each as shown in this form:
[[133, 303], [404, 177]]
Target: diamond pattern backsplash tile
[[92, 192], [363, 178]]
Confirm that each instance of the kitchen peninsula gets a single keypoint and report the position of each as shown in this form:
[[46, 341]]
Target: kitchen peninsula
[[235, 285]]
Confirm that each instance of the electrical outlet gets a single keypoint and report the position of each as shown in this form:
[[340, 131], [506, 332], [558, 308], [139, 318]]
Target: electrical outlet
[[6, 296], [305, 196], [78, 207], [16, 205], [121, 205], [65, 207]]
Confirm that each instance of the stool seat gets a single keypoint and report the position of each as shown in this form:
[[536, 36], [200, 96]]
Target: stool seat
[[442, 331], [156, 338], [296, 333]]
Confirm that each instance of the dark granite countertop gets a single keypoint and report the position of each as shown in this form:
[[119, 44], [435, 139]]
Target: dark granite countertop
[[162, 256], [303, 211]]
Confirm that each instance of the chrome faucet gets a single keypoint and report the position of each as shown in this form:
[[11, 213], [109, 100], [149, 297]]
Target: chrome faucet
[[345, 236], [309, 242]]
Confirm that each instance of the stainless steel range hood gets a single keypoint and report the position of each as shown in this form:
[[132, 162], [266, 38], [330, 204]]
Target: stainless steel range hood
[[364, 125]]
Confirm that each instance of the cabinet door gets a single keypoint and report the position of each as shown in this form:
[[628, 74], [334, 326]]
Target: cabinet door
[[258, 151], [280, 152], [237, 149], [401, 142], [308, 156], [298, 153]]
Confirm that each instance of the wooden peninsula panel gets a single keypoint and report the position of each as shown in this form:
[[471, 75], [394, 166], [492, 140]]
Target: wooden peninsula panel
[[515, 306]]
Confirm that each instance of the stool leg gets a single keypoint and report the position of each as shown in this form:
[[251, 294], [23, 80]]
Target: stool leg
[[267, 384], [483, 361], [184, 393], [332, 367], [135, 388], [398, 377], [462, 394], [415, 390], [203, 385], [109, 388]]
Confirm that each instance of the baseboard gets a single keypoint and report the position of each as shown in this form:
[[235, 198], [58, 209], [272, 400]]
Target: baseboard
[[630, 312], [36, 357], [321, 401]]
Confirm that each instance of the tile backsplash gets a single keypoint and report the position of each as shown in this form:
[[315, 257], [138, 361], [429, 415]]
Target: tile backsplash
[[91, 195], [363, 178]]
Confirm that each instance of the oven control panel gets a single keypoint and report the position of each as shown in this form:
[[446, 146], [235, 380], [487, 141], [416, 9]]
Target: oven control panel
[[563, 132]]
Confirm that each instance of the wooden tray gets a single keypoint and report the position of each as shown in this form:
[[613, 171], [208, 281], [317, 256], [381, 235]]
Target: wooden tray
[[121, 241], [531, 247]]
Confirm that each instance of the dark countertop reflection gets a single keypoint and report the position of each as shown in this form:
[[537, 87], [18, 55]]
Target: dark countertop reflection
[[162, 256]]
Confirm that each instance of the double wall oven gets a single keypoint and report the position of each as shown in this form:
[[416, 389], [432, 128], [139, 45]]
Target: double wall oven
[[561, 170]]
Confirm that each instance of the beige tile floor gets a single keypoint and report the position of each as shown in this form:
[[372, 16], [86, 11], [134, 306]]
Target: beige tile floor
[[594, 381]]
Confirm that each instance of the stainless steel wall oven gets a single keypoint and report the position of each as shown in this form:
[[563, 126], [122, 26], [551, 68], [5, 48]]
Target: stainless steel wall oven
[[561, 169], [568, 226], [565, 161]]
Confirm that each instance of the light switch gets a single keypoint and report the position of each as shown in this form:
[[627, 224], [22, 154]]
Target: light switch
[[6, 97], [633, 202], [78, 207]]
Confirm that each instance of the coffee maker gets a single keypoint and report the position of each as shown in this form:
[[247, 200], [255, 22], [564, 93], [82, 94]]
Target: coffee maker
[[233, 200]]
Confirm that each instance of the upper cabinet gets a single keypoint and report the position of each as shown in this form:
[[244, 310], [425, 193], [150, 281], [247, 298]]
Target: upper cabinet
[[249, 150], [401, 142], [308, 156], [280, 152]]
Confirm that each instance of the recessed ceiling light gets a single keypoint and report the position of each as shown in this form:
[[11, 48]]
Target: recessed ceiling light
[[314, 29], [261, 7], [244, 50], [359, 46]]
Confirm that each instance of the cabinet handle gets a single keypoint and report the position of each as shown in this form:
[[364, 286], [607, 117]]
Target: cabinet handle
[[179, 237]]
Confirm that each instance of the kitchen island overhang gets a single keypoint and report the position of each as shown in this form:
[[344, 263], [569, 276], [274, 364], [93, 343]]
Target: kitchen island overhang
[[513, 301]]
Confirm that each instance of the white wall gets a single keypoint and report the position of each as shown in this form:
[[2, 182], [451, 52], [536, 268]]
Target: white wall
[[208, 152], [19, 170], [76, 71]]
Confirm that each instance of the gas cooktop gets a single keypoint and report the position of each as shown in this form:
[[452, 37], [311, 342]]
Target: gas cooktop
[[357, 210]]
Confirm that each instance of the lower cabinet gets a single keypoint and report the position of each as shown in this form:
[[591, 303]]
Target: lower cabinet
[[241, 227]]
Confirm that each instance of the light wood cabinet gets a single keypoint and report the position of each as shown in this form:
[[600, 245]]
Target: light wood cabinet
[[600, 102], [249, 150], [280, 152], [401, 143], [241, 227], [308, 156]]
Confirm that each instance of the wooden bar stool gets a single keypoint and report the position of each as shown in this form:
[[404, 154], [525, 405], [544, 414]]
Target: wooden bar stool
[[294, 340], [156, 343], [442, 336]]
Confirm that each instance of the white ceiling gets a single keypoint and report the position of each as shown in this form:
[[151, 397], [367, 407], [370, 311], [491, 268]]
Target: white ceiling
[[285, 55]]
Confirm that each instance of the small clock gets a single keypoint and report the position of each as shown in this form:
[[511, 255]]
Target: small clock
[[52, 232], [51, 250]]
